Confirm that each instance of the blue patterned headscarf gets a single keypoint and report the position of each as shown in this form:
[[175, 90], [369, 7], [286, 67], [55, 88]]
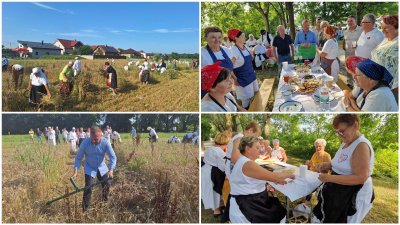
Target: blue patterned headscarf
[[375, 71]]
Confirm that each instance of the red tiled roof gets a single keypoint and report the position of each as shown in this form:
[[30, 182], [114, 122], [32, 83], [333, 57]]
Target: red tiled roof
[[93, 47], [68, 43], [129, 51]]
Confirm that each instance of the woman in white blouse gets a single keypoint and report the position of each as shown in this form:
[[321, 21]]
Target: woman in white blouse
[[373, 94], [329, 53], [213, 174], [349, 185], [38, 87]]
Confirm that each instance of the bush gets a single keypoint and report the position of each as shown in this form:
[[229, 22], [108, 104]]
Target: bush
[[386, 162], [205, 130]]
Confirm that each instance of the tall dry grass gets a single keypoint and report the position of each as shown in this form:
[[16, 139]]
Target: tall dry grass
[[177, 90], [162, 188]]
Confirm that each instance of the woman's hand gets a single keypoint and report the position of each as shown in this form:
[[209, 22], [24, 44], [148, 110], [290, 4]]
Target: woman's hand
[[324, 167], [281, 176], [324, 177], [233, 59]]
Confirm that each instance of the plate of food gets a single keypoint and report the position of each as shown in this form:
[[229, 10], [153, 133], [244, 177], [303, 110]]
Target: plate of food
[[291, 106], [308, 86], [308, 77], [302, 70], [295, 80], [291, 87]]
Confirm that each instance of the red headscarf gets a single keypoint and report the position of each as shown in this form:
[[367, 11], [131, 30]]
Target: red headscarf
[[209, 74], [232, 33], [353, 61]]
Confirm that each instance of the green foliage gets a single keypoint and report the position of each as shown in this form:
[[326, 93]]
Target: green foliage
[[21, 123], [205, 130], [386, 162], [86, 50]]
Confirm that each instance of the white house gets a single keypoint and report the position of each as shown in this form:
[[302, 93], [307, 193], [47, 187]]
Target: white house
[[38, 49]]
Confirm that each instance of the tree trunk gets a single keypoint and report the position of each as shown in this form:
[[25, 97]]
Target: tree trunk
[[234, 123], [360, 11], [228, 118], [267, 121], [290, 12]]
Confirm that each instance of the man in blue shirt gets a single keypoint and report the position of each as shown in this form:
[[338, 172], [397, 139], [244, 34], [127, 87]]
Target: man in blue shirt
[[94, 150], [306, 39]]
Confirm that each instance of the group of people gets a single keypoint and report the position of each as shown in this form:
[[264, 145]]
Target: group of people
[[229, 62], [75, 136], [346, 178]]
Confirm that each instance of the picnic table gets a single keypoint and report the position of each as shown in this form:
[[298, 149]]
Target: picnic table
[[298, 188], [307, 100]]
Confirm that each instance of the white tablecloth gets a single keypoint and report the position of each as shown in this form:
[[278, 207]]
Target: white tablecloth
[[299, 187], [309, 104]]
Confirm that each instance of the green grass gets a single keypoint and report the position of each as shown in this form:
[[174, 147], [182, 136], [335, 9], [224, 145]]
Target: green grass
[[384, 209]]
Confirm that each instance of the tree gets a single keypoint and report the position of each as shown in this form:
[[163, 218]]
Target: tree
[[86, 50], [290, 12], [174, 55]]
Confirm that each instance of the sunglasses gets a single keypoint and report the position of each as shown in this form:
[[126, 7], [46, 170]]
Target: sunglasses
[[366, 22]]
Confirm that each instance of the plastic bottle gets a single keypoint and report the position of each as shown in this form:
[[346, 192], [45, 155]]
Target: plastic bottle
[[324, 97]]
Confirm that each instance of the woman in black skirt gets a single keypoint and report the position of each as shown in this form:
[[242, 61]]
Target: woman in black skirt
[[112, 77]]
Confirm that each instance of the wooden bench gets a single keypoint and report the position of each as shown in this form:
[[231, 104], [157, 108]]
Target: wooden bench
[[260, 100], [342, 84]]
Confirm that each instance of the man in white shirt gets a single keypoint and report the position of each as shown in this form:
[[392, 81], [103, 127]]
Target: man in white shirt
[[52, 136], [370, 38], [251, 42], [351, 36], [77, 66]]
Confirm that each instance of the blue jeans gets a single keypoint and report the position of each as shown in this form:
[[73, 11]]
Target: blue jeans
[[283, 58]]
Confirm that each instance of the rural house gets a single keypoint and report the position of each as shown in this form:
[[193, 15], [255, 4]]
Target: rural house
[[146, 55], [106, 50], [38, 49], [130, 53], [68, 46]]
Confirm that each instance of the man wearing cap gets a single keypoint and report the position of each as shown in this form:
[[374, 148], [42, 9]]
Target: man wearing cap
[[66, 83], [214, 52], [217, 82], [77, 66], [374, 80], [112, 77], [38, 86], [247, 84], [95, 149]]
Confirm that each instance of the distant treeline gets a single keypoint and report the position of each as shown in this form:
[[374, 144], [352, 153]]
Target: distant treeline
[[21, 123]]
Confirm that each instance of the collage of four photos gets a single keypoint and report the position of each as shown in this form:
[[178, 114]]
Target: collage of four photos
[[200, 112]]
